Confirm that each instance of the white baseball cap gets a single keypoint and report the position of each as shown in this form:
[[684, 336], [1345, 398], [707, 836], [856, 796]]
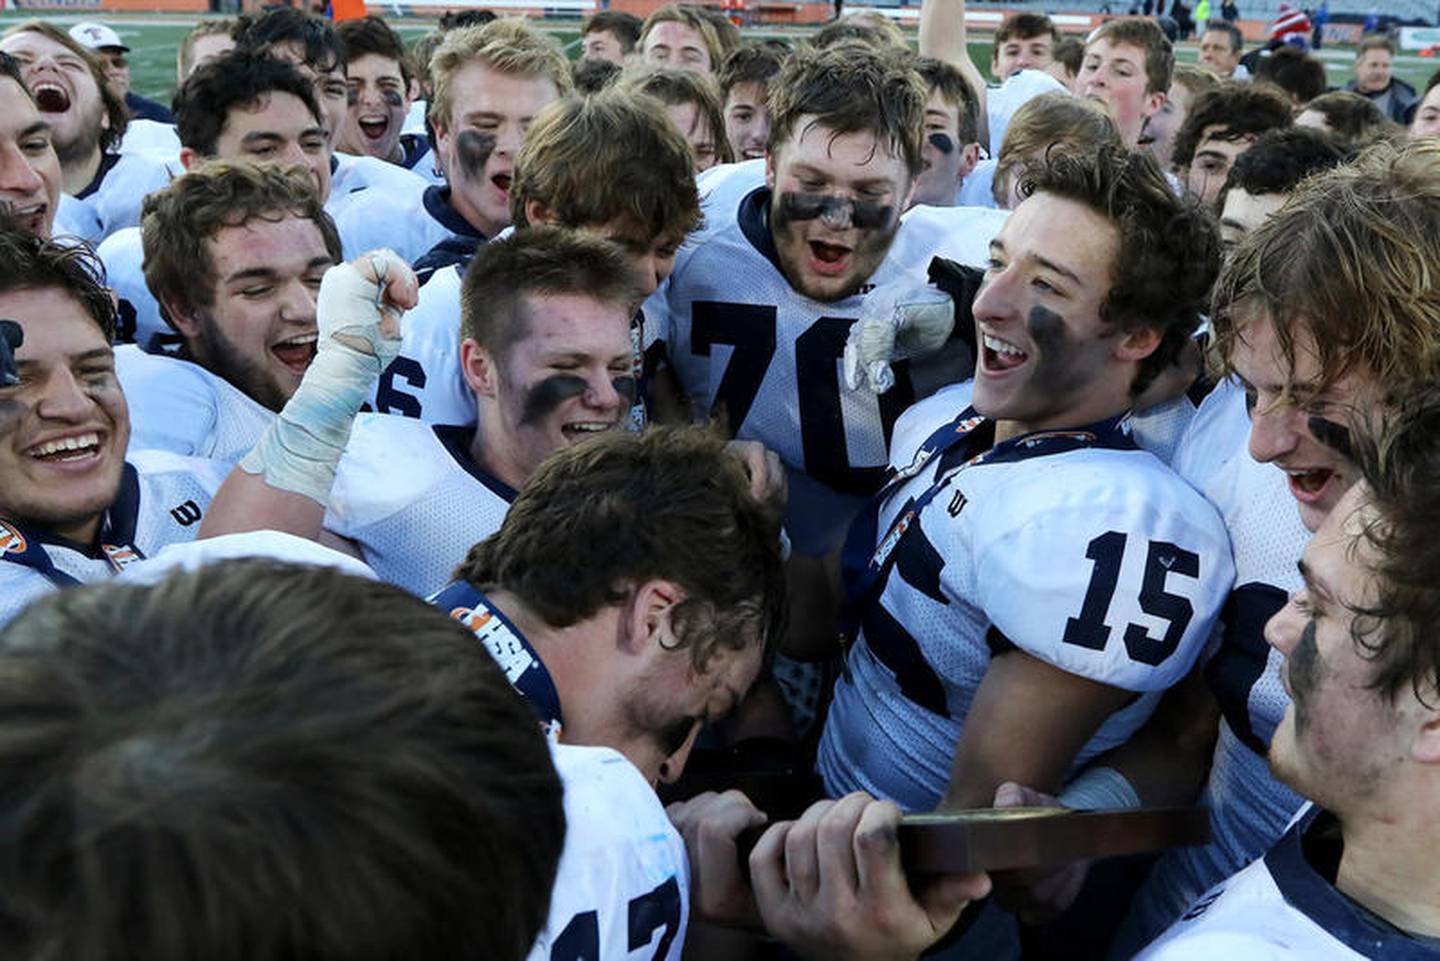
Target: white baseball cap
[[97, 36]]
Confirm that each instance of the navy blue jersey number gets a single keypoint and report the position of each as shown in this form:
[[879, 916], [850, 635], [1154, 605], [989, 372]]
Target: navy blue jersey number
[[750, 329], [1089, 630], [656, 910], [390, 399]]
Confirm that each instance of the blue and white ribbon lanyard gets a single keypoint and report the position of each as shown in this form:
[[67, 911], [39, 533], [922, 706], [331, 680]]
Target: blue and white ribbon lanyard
[[522, 666], [866, 562], [24, 545]]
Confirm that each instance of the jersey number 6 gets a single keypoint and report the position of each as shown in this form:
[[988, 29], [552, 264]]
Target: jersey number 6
[[1163, 559]]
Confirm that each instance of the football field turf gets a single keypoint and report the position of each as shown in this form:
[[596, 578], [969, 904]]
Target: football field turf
[[153, 41]]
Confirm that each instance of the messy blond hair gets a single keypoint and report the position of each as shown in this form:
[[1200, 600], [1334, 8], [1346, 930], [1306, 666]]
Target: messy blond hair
[[507, 45]]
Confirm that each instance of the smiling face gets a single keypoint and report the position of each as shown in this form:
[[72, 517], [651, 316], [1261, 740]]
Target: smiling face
[[64, 428], [1047, 360], [29, 168], [65, 91], [835, 207], [260, 331], [1287, 406], [379, 101], [1338, 736], [567, 378], [747, 120], [673, 44], [1022, 53], [1114, 74], [490, 112], [278, 129]]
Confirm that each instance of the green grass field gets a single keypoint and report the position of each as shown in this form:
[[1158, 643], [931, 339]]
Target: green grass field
[[153, 40]]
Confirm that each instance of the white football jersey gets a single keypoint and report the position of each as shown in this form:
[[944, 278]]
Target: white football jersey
[[181, 407], [139, 319], [1249, 809], [161, 501], [115, 195], [408, 223], [424, 380], [413, 499], [1285, 905], [150, 136], [746, 346], [427, 167], [73, 218], [978, 188], [352, 175], [623, 891], [1097, 559]]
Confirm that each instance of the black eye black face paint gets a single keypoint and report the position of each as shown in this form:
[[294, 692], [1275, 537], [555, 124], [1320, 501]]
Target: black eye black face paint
[[1304, 670], [473, 150], [942, 143], [12, 335], [392, 98], [1065, 364], [1332, 435], [549, 394], [838, 213], [626, 387]]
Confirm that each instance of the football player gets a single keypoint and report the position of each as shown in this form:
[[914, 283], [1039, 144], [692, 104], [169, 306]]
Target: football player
[[490, 82], [72, 507], [86, 122], [234, 253], [207, 39], [610, 35], [29, 169], [1024, 41], [1312, 333], [1067, 343], [680, 37], [381, 90], [1219, 127], [692, 103], [761, 302], [609, 165], [1026, 485], [744, 91], [311, 44], [299, 763], [1127, 67], [237, 106], [952, 147], [1263, 178], [1353, 876]]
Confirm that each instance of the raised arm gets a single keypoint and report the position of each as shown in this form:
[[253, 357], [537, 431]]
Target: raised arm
[[943, 36], [284, 483]]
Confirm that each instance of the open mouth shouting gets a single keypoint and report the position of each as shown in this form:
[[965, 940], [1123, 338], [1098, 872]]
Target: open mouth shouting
[[50, 97], [79, 450], [829, 259], [295, 353], [502, 183], [1311, 485], [1000, 356], [374, 127], [30, 216]]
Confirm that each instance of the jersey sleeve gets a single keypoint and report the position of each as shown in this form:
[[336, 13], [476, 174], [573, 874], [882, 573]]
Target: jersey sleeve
[[172, 405], [1118, 584]]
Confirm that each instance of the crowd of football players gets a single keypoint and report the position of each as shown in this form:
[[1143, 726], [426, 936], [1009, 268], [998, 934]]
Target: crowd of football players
[[461, 502]]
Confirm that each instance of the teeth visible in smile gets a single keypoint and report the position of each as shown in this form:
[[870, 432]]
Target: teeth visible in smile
[[1002, 346], [299, 341], [588, 428], [44, 86], [82, 442]]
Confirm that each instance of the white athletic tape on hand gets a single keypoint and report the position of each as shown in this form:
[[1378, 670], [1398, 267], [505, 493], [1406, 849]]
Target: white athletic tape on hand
[[300, 450], [1100, 788]]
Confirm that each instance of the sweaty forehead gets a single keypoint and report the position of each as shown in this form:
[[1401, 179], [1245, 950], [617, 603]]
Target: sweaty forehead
[[281, 243]]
